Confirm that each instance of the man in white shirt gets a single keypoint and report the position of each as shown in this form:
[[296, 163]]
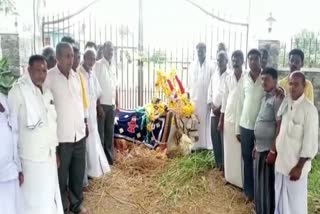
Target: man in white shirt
[[296, 146], [227, 124], [106, 74], [249, 106], [215, 100], [10, 167], [198, 84], [65, 86], [97, 163], [35, 128]]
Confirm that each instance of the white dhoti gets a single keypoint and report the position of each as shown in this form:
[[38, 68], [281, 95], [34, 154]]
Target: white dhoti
[[11, 197], [41, 187], [204, 127], [97, 163], [232, 156], [291, 196]]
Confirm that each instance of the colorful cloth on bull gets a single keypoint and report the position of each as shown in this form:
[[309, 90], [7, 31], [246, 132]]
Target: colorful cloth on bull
[[131, 126]]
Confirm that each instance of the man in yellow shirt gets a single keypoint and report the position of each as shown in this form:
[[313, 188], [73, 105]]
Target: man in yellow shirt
[[296, 58]]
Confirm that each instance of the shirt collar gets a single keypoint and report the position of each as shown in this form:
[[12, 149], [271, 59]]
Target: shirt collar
[[271, 93], [298, 101], [105, 61], [72, 72]]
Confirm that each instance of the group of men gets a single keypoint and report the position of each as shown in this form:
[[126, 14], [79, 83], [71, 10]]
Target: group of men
[[56, 129], [263, 132]]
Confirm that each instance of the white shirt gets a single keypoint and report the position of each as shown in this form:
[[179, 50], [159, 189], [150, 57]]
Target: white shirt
[[67, 96], [40, 142], [216, 88], [231, 96], [250, 102], [9, 160], [106, 75], [199, 80], [298, 136]]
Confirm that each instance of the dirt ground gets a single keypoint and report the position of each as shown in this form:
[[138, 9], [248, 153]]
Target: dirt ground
[[131, 190]]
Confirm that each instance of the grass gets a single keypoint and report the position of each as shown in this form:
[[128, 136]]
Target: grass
[[181, 173], [314, 187]]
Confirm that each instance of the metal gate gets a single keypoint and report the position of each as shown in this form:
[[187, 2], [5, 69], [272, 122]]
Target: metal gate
[[137, 65]]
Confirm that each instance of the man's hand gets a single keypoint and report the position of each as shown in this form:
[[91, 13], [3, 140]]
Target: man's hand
[[280, 92], [254, 152], [21, 178], [100, 111], [220, 126], [271, 158], [238, 138], [87, 130], [58, 160], [1, 108], [295, 173]]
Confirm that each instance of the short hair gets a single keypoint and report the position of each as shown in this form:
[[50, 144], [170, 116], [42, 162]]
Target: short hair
[[47, 51], [254, 52], [75, 49], [238, 53], [89, 50], [60, 46], [223, 53], [107, 43], [297, 52], [222, 44], [90, 44], [270, 71], [68, 39], [263, 52], [299, 74], [36, 58], [201, 45]]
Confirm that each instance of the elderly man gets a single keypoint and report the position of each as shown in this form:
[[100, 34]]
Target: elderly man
[[97, 163], [198, 84], [106, 74], [65, 85], [230, 98], [296, 146], [248, 109], [36, 132], [10, 166], [50, 56], [215, 100]]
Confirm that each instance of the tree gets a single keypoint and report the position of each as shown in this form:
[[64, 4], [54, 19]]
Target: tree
[[8, 7]]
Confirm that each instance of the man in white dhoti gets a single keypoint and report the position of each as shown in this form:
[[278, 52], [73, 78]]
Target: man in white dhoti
[[97, 163], [10, 166], [36, 134], [296, 146], [198, 81], [230, 99], [215, 100]]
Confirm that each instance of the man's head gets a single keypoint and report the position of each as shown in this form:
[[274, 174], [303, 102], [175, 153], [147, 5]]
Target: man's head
[[201, 51], [50, 56], [90, 44], [296, 58], [64, 53], [264, 57], [108, 51], [237, 59], [37, 69], [221, 47], [222, 60], [254, 58], [297, 83], [69, 40], [89, 58], [76, 58], [269, 78]]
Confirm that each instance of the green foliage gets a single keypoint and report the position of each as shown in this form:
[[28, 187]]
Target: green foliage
[[314, 186], [158, 57], [7, 7], [6, 77], [182, 172]]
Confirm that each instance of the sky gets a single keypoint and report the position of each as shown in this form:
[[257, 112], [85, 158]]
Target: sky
[[175, 23]]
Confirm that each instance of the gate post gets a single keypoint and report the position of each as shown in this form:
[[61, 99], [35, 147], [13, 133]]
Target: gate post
[[140, 61]]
